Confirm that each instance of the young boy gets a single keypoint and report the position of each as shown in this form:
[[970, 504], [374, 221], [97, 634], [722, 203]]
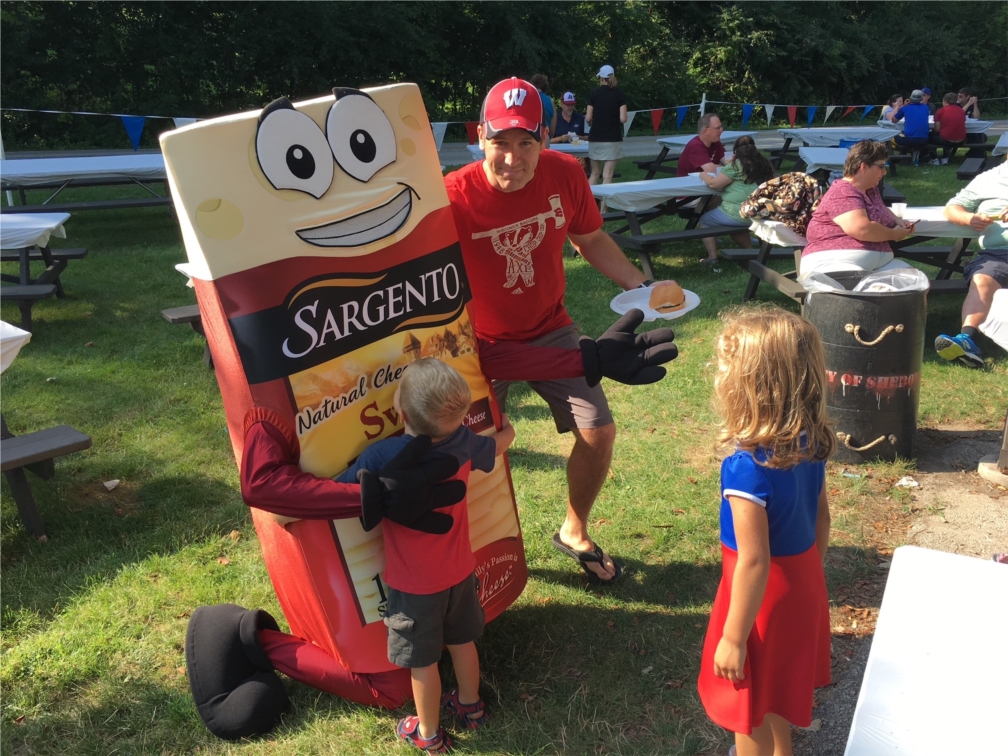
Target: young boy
[[432, 597]]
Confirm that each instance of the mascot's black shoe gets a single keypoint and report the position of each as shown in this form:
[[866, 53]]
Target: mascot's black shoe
[[236, 689]]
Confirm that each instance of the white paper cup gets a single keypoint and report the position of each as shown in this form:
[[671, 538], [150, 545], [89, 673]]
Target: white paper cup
[[899, 209], [697, 174]]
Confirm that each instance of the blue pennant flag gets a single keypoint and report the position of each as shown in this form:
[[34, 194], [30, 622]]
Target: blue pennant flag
[[811, 113], [680, 115], [868, 109], [746, 113], [134, 127]]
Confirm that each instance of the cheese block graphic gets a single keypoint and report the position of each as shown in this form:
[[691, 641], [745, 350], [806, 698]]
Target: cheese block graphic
[[325, 259]]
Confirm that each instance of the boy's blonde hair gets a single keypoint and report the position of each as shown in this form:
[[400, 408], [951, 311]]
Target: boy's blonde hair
[[434, 397], [771, 386]]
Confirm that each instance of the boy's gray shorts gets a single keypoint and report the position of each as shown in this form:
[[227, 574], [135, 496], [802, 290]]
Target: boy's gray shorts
[[420, 625]]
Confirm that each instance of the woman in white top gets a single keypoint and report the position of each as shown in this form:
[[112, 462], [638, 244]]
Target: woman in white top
[[893, 106]]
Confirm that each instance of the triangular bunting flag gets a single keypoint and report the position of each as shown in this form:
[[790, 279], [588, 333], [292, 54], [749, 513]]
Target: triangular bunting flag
[[850, 109], [439, 129], [471, 131], [829, 112], [747, 114], [629, 119], [811, 113], [180, 122], [656, 116], [680, 115], [868, 109], [769, 113], [134, 127], [792, 113]]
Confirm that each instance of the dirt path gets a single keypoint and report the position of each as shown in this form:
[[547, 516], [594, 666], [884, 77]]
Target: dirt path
[[956, 511]]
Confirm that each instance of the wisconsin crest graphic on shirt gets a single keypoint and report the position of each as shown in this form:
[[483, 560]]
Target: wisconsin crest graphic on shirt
[[516, 242]]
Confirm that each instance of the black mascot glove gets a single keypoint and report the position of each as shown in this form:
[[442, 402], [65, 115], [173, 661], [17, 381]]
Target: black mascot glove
[[625, 356], [408, 489], [236, 690]]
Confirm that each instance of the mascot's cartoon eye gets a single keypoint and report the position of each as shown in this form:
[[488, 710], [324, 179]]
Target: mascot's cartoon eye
[[293, 152], [360, 136]]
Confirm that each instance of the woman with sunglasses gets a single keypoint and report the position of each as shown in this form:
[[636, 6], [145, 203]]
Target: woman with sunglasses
[[851, 228]]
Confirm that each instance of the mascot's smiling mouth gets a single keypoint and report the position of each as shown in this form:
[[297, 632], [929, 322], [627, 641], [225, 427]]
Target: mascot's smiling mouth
[[363, 228]]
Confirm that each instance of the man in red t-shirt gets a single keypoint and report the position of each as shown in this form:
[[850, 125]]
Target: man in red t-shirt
[[949, 127], [513, 211], [704, 152]]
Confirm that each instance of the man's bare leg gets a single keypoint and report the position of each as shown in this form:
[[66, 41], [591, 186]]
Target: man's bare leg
[[587, 469], [978, 300]]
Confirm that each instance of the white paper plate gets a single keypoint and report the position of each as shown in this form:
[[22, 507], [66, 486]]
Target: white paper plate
[[628, 300]]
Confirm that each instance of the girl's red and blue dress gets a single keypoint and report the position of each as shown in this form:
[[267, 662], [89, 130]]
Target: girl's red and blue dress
[[788, 650]]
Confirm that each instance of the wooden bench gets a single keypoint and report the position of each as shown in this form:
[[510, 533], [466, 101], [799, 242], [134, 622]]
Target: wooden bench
[[55, 260], [743, 256], [26, 295], [646, 245], [190, 314], [35, 254], [73, 207], [36, 452]]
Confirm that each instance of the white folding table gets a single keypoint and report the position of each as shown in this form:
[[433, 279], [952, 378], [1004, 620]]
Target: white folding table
[[578, 150], [973, 125], [59, 173]]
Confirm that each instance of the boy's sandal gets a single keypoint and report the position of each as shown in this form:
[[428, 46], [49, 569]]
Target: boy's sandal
[[709, 262], [470, 716], [408, 729], [594, 554]]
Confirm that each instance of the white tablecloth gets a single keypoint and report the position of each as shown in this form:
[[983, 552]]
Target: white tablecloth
[[578, 150], [935, 679], [12, 339], [1001, 148], [18, 230], [973, 126], [825, 158], [831, 136], [681, 140], [33, 171], [635, 196]]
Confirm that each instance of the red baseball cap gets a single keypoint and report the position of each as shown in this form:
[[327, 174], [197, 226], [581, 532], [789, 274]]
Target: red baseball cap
[[512, 104]]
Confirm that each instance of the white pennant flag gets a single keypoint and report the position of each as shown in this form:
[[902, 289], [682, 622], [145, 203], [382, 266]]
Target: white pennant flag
[[769, 113], [180, 122], [829, 112], [626, 126], [439, 130]]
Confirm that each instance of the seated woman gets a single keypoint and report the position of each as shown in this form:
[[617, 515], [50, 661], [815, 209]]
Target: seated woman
[[851, 229], [737, 180], [894, 104]]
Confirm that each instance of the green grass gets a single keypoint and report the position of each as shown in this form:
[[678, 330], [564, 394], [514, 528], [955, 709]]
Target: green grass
[[93, 621]]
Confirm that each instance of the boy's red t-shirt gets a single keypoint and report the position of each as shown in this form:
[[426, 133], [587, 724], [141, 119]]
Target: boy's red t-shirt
[[512, 244], [953, 123]]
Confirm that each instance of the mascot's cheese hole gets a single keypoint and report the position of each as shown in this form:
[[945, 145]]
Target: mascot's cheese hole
[[408, 107], [408, 146], [219, 219]]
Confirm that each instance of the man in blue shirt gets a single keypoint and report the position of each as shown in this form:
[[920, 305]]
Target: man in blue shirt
[[916, 124], [568, 122]]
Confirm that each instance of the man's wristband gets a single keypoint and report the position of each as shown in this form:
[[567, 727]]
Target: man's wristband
[[647, 282]]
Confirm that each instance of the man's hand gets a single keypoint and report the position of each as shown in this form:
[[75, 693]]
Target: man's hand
[[625, 356], [409, 488], [980, 221]]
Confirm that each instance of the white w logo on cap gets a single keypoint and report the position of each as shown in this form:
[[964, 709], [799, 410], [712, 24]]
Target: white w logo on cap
[[514, 97]]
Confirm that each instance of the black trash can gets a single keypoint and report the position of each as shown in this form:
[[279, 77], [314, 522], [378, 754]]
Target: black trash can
[[874, 347]]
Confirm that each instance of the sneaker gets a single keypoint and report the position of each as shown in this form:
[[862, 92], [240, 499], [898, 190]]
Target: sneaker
[[960, 349], [471, 716], [936, 161], [408, 729], [944, 161]]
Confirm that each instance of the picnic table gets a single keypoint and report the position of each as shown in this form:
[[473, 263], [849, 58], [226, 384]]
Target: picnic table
[[931, 224], [34, 452], [931, 686], [678, 142], [638, 202], [60, 173], [828, 136], [973, 125], [1001, 148], [24, 238]]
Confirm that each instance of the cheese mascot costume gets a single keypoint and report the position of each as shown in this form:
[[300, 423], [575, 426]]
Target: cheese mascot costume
[[325, 259]]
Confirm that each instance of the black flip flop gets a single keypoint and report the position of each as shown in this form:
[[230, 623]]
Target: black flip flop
[[585, 558]]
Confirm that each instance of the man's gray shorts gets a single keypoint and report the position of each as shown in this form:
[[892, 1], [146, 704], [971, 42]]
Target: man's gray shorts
[[421, 625], [572, 402], [993, 263]]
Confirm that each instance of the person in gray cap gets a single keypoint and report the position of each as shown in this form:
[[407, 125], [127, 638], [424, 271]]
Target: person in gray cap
[[916, 121]]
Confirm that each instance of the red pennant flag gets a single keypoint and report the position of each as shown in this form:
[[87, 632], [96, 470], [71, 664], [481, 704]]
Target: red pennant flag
[[471, 131], [656, 119], [849, 110], [792, 113]]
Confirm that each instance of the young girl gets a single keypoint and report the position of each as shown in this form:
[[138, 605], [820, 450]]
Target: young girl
[[768, 641]]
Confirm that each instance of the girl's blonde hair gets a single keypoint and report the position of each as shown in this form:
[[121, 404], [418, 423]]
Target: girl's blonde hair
[[610, 81], [434, 396], [771, 386]]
